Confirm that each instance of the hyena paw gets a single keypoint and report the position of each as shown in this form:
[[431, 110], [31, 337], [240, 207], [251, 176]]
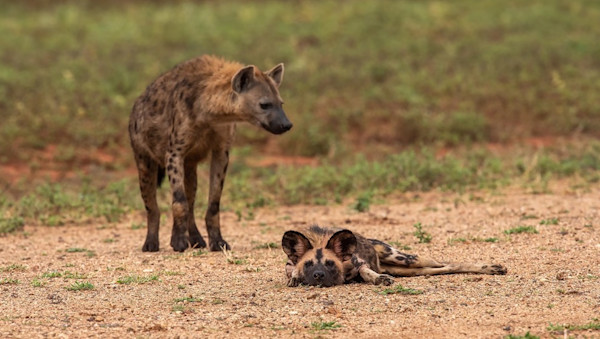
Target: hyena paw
[[384, 279], [150, 245], [497, 269], [293, 282], [219, 245], [179, 242], [196, 241]]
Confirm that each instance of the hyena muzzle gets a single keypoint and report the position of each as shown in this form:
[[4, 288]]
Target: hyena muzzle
[[326, 257], [187, 115]]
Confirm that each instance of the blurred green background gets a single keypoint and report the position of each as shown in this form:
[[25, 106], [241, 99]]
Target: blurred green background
[[385, 96]]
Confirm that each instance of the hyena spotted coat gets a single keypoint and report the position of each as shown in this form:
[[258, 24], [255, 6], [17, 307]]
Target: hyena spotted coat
[[187, 115], [326, 257]]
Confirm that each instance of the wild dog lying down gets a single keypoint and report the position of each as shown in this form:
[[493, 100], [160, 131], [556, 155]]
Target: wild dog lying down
[[328, 257]]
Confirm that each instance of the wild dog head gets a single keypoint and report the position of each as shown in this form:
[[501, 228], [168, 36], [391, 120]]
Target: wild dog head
[[320, 262], [258, 97]]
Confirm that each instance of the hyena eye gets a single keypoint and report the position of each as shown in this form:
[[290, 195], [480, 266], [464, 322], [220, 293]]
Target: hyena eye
[[266, 105]]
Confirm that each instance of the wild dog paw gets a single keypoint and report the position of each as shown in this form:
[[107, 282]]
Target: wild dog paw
[[293, 282], [384, 279], [498, 269]]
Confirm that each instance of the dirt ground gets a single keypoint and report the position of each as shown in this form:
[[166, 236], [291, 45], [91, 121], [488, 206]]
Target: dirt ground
[[553, 276]]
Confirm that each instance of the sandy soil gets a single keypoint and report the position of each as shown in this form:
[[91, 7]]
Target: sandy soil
[[553, 276]]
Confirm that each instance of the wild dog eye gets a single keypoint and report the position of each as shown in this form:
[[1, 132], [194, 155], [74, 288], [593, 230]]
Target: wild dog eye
[[329, 263], [308, 263], [266, 105]]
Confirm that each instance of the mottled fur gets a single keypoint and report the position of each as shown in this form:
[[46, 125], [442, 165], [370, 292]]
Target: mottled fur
[[328, 257], [187, 115]]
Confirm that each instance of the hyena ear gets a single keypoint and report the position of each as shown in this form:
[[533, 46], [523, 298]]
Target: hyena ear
[[243, 79], [295, 244], [343, 243], [276, 73]]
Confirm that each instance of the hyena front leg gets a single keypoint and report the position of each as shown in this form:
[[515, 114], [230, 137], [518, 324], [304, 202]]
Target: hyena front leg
[[191, 183], [148, 174], [218, 169], [179, 238]]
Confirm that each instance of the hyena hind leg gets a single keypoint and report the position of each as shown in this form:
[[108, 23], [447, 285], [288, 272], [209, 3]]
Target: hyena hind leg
[[389, 255], [445, 269]]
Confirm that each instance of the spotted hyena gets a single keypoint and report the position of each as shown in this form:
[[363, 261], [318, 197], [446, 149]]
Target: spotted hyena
[[187, 115], [328, 257]]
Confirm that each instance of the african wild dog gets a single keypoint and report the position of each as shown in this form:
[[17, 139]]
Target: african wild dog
[[183, 117], [328, 257]]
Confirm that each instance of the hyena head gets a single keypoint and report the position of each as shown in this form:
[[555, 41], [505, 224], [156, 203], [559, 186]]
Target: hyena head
[[319, 263], [258, 98]]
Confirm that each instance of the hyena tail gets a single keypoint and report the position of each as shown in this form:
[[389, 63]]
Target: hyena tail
[[389, 255], [160, 176]]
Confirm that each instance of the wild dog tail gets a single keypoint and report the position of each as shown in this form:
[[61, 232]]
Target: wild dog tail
[[389, 255], [160, 176]]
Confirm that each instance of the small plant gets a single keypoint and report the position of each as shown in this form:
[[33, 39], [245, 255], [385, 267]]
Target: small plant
[[399, 289], [490, 239], [324, 325], [9, 225], [218, 301], [267, 245], [423, 236], [521, 229], [70, 275], [363, 202], [199, 252], [108, 240], [80, 286], [90, 254], [455, 240], [551, 221], [526, 336], [137, 226], [9, 281], [75, 250], [135, 279], [37, 283], [593, 325], [13, 267], [189, 299], [52, 274], [178, 308]]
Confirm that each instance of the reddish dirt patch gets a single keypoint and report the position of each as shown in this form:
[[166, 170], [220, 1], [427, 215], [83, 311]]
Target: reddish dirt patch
[[553, 275]]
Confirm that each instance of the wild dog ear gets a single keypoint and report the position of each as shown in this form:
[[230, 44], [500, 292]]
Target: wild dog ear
[[276, 73], [295, 244], [242, 80], [343, 243]]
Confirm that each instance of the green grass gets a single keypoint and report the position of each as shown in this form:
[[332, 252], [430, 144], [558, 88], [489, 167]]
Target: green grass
[[467, 72], [521, 229], [267, 245], [13, 267], [550, 221], [9, 225], [525, 336], [136, 279], [324, 325], [189, 299], [9, 281], [399, 289], [592, 325], [75, 250], [80, 286], [453, 75]]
